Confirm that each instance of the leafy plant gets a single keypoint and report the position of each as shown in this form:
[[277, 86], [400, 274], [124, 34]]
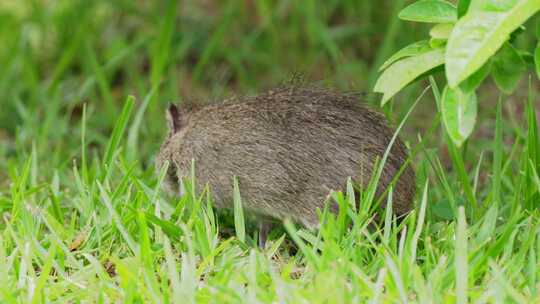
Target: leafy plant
[[472, 39]]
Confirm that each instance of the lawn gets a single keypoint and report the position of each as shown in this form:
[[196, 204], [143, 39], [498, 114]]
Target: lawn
[[83, 90]]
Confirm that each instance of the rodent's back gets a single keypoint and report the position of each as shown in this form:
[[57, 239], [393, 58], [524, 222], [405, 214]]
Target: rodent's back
[[288, 148]]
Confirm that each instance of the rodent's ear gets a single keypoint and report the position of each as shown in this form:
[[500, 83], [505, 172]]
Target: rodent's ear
[[174, 118]]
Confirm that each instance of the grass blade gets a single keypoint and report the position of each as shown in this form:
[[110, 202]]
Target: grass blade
[[239, 224], [117, 133], [497, 155], [461, 263]]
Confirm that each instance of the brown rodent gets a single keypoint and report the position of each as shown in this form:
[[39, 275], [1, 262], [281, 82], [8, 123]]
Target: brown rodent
[[288, 148]]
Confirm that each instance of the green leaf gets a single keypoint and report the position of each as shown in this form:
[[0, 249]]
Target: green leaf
[[480, 33], [459, 113], [441, 30], [537, 59], [527, 57], [493, 5], [437, 43], [401, 73], [433, 11], [410, 50], [463, 6], [473, 82], [508, 67]]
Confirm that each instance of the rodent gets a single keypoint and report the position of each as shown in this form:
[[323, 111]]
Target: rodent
[[287, 147]]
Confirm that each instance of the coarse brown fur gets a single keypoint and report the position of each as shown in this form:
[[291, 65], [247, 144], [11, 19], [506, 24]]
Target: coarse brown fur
[[288, 147]]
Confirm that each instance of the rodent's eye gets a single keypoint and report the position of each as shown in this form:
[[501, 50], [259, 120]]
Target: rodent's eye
[[171, 175]]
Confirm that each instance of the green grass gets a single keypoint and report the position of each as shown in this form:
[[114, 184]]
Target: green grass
[[83, 88]]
